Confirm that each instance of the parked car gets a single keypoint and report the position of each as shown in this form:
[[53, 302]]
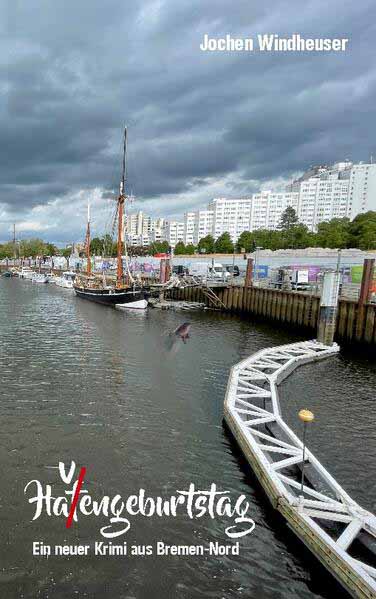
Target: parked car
[[233, 269], [180, 270], [209, 270]]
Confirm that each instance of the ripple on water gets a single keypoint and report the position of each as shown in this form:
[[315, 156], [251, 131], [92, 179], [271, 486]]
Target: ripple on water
[[82, 382]]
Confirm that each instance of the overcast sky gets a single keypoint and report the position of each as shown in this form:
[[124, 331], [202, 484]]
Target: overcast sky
[[201, 125]]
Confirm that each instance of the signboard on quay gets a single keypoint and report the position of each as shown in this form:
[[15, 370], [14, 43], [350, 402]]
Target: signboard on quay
[[357, 274], [329, 294]]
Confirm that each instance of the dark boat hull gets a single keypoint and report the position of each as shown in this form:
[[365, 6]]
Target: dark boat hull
[[110, 297]]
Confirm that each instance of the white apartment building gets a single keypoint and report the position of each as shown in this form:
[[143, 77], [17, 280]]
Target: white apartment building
[[173, 232], [189, 227], [138, 240], [323, 192], [341, 190], [156, 231], [141, 229], [231, 216], [203, 225], [137, 224], [362, 189], [267, 208]]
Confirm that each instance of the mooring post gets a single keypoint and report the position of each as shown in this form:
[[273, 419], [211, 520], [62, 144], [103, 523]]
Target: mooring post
[[326, 327], [365, 288], [249, 273], [167, 269], [162, 271]]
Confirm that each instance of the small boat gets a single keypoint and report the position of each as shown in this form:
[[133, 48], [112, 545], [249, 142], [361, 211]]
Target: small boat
[[66, 280], [26, 273], [125, 292], [140, 304], [39, 278], [7, 274]]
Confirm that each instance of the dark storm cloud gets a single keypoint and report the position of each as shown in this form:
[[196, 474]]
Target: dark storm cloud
[[73, 73]]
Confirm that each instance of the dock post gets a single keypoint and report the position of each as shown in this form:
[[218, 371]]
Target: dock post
[[168, 269], [162, 271], [328, 308], [365, 288], [249, 273]]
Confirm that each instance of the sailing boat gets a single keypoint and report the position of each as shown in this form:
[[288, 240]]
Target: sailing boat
[[96, 289]]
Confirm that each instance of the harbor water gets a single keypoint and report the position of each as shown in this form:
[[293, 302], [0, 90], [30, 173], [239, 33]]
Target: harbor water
[[115, 392]]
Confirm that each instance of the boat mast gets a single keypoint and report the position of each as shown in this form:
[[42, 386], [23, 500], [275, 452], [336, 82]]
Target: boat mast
[[121, 202], [87, 242], [14, 245]]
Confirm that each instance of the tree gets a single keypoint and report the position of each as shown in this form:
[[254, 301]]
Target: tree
[[294, 234], [223, 244], [206, 245], [179, 248], [334, 233], [190, 249], [66, 252], [109, 246], [289, 219], [159, 247], [50, 249], [363, 231], [96, 246], [300, 237], [138, 250], [7, 250], [247, 241], [32, 247]]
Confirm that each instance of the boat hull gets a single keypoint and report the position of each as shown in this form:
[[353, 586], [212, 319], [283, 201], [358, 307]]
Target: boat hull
[[136, 305], [110, 297]]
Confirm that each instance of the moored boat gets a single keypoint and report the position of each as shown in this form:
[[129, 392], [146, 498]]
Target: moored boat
[[66, 280], [26, 273], [130, 298], [39, 278], [125, 292]]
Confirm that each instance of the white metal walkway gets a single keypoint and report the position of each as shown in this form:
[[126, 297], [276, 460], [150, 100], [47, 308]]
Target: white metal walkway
[[325, 517]]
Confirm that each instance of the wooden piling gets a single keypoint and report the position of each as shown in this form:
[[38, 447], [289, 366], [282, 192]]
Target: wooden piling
[[367, 278], [290, 308], [249, 273]]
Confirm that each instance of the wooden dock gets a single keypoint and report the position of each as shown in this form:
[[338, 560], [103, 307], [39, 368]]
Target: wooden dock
[[355, 323], [320, 512]]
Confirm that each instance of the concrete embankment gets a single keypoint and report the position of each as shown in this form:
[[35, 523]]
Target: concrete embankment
[[355, 322]]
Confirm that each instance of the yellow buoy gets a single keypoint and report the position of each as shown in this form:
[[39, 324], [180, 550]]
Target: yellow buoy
[[306, 416]]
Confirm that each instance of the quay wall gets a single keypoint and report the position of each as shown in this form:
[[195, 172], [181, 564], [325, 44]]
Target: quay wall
[[354, 323]]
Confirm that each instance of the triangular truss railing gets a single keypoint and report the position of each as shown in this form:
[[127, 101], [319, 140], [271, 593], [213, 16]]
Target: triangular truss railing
[[252, 409]]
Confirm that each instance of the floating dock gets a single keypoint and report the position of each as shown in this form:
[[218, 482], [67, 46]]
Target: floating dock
[[321, 513]]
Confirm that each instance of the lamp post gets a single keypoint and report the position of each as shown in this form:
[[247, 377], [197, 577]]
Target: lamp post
[[306, 417]]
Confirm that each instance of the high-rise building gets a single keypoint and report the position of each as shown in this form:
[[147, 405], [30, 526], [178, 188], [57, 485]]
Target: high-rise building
[[189, 227], [142, 230], [323, 192], [267, 208], [203, 225], [173, 232], [230, 216], [362, 189]]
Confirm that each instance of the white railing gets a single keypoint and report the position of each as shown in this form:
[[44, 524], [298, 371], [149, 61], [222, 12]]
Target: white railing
[[321, 507]]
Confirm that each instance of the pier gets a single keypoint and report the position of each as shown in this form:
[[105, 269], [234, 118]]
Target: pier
[[356, 320], [317, 508]]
